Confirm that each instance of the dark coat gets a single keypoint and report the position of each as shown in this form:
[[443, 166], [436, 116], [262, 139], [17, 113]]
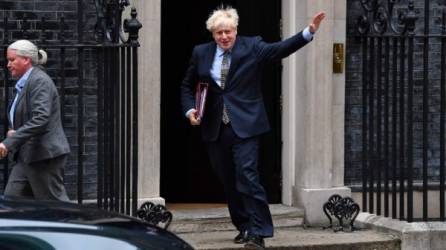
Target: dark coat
[[242, 94], [39, 134]]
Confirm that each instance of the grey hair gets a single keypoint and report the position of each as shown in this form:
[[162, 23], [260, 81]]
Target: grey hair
[[222, 17], [26, 48]]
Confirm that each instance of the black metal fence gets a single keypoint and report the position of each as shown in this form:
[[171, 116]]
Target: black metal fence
[[112, 61], [403, 110]]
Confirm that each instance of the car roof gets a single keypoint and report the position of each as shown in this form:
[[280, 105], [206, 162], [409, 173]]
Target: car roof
[[56, 211], [30, 216]]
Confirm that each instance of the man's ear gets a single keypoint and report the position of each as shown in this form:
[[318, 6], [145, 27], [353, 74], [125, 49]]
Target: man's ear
[[28, 60]]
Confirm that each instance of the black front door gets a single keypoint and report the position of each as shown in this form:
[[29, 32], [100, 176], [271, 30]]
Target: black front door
[[186, 174]]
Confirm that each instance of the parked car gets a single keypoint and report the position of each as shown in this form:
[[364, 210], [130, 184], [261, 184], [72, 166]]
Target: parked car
[[45, 225]]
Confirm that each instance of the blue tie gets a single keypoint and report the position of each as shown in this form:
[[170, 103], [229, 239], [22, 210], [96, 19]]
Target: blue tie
[[19, 88]]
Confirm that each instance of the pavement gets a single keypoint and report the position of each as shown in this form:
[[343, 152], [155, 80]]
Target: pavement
[[211, 229], [299, 238]]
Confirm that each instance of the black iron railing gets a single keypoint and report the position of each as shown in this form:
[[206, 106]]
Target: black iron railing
[[101, 77], [403, 109]]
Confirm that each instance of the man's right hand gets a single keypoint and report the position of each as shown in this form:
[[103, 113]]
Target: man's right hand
[[194, 120], [3, 150]]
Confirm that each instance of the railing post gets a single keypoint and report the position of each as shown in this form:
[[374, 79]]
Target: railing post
[[410, 19], [425, 102], [5, 95], [442, 116], [132, 26]]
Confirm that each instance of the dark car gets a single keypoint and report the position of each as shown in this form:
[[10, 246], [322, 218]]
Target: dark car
[[44, 225]]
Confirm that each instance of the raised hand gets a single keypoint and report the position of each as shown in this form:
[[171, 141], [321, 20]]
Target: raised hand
[[316, 22]]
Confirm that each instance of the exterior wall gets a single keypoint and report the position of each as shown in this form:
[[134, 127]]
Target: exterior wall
[[149, 14], [52, 11], [313, 104], [353, 112], [433, 206]]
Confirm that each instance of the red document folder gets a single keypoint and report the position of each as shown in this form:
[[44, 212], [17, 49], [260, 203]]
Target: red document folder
[[201, 92]]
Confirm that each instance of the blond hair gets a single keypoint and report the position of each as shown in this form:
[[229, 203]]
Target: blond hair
[[222, 17], [26, 48]]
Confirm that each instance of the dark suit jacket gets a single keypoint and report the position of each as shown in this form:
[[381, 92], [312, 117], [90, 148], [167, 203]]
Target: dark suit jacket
[[39, 134], [242, 94]]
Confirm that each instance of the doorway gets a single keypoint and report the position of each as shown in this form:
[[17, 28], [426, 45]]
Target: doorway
[[186, 174]]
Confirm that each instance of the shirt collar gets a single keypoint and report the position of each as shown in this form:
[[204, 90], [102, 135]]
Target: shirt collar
[[221, 51], [22, 81]]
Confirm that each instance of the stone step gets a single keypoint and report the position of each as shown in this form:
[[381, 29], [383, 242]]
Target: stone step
[[299, 239], [217, 219]]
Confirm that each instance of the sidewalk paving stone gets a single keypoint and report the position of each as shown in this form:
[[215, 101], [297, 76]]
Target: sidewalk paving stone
[[300, 239]]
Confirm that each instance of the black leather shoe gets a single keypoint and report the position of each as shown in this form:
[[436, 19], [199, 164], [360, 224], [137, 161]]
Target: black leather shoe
[[255, 242], [241, 237]]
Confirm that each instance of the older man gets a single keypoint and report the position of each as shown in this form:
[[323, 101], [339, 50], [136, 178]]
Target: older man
[[235, 113], [35, 136]]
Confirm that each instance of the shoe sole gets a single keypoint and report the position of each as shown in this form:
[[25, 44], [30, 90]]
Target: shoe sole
[[250, 245]]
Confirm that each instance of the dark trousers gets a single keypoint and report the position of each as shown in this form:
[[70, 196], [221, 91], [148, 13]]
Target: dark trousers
[[41, 180], [235, 162]]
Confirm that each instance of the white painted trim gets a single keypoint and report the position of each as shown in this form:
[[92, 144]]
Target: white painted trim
[[288, 101]]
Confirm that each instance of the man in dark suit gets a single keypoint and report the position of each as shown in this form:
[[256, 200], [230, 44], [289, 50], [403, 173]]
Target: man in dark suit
[[36, 136], [235, 114]]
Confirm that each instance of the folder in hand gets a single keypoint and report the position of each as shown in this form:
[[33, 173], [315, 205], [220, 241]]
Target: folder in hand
[[201, 92]]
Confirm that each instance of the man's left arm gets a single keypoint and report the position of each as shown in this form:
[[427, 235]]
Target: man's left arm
[[279, 50]]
